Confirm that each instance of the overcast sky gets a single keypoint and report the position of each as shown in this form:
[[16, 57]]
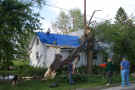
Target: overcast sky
[[108, 7]]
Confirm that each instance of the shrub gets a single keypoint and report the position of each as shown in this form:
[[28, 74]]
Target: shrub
[[27, 70]]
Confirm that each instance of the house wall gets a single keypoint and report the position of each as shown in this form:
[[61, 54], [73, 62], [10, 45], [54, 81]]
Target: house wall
[[41, 55], [82, 61], [99, 59], [38, 53], [50, 55], [46, 55]]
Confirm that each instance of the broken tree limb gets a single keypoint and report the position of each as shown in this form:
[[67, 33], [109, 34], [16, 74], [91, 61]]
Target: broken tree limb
[[58, 62]]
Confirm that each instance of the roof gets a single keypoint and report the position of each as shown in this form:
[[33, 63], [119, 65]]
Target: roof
[[59, 40], [78, 33]]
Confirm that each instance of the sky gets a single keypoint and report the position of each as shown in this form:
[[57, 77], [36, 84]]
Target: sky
[[109, 8]]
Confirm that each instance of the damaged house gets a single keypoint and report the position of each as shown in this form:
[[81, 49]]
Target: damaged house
[[44, 47]]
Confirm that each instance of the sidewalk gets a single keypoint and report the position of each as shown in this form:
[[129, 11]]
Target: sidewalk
[[115, 87], [132, 87]]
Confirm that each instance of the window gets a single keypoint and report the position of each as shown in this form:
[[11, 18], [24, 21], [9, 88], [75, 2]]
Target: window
[[37, 41], [37, 55], [94, 55]]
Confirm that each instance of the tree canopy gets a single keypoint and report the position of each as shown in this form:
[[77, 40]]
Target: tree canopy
[[120, 34], [72, 21], [121, 16], [18, 20], [63, 22], [77, 19]]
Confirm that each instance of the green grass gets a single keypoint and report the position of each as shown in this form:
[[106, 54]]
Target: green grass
[[20, 62], [43, 85], [93, 81]]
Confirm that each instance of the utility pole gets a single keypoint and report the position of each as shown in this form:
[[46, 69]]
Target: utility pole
[[84, 14], [86, 32]]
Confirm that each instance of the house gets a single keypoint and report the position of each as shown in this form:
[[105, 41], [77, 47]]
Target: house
[[44, 46]]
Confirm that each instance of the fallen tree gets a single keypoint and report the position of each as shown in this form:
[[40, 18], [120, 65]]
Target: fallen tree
[[58, 62]]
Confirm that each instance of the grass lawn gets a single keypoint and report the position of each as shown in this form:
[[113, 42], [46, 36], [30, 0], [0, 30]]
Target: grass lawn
[[90, 81], [20, 62], [93, 81], [44, 85]]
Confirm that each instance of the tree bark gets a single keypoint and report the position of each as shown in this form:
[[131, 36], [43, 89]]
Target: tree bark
[[89, 61], [90, 46]]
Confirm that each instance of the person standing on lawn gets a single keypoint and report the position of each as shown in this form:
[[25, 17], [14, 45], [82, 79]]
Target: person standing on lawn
[[124, 67], [75, 62], [109, 71], [70, 73]]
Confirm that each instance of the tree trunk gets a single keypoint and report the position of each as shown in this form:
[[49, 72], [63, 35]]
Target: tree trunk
[[89, 61], [90, 46]]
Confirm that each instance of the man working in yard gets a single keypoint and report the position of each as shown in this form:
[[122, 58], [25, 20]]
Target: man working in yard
[[124, 66], [75, 62], [70, 72], [109, 71]]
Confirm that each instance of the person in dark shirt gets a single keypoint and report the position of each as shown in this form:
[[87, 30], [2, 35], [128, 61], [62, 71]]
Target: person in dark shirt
[[109, 71], [70, 71], [14, 80]]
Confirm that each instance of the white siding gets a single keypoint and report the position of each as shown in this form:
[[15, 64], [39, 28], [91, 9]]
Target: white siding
[[47, 55]]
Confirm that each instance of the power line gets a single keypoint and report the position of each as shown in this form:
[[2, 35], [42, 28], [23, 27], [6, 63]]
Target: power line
[[52, 6]]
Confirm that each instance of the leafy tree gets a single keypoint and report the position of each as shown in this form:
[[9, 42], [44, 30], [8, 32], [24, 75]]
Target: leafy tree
[[17, 21], [63, 22], [121, 16], [77, 19], [122, 37], [69, 22]]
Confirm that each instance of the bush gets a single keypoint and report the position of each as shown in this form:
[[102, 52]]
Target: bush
[[98, 70], [63, 78], [27, 70], [24, 70], [5, 66], [80, 77]]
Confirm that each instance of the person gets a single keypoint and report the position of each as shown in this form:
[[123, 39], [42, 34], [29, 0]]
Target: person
[[70, 72], [48, 31], [124, 67], [109, 71], [75, 62], [14, 79]]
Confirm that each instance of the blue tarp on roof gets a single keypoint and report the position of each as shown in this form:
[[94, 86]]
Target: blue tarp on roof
[[59, 40]]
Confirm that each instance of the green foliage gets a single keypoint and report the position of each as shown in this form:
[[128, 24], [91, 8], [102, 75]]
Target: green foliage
[[63, 22], [27, 70], [17, 22], [121, 16], [77, 19], [69, 22], [122, 37], [76, 77], [24, 70]]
